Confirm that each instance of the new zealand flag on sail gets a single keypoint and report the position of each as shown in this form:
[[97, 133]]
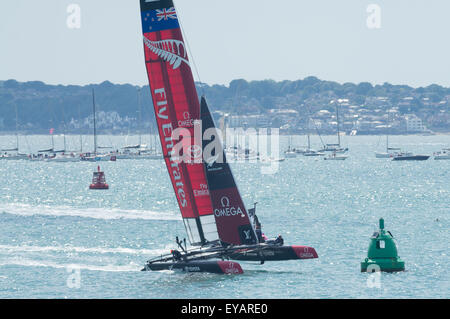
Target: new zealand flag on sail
[[159, 19]]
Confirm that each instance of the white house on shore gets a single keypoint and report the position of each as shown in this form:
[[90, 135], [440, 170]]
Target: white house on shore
[[414, 124]]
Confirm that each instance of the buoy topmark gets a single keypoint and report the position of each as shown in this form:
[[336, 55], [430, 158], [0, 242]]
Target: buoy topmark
[[382, 253]]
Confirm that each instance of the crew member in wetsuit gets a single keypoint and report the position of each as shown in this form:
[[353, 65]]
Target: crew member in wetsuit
[[176, 255], [258, 229], [279, 240]]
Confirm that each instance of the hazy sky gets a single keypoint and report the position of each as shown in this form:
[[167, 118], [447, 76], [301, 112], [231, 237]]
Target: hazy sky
[[229, 39]]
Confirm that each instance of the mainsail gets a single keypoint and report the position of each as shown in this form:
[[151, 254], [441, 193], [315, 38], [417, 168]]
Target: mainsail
[[176, 105], [232, 219]]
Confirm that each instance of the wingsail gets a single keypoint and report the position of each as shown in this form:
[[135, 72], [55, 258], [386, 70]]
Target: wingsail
[[176, 105], [232, 219]]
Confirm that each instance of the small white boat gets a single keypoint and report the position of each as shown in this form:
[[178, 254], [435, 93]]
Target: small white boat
[[63, 158], [13, 156], [383, 155], [442, 155], [138, 152], [97, 157], [290, 154], [335, 157]]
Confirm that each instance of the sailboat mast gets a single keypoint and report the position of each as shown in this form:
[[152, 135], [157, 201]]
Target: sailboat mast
[[309, 142], [64, 128], [337, 119], [17, 125], [140, 117], [387, 143], [95, 128], [81, 136]]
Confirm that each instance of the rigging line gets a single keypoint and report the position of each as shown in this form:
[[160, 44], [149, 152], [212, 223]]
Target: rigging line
[[189, 49], [314, 123]]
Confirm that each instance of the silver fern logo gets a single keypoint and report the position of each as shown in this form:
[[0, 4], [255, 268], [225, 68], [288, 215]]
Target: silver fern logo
[[170, 50]]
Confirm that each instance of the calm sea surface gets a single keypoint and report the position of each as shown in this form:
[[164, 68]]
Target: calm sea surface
[[51, 224]]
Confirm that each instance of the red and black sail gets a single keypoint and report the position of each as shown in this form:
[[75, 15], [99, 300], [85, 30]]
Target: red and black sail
[[233, 222], [176, 106]]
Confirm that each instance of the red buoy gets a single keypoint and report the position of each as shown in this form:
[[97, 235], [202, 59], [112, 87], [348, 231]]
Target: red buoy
[[98, 180]]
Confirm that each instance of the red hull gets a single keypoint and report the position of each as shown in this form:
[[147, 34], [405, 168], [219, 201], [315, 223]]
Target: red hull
[[275, 253]]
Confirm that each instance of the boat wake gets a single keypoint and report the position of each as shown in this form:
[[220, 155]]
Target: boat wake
[[24, 262], [69, 249], [96, 213]]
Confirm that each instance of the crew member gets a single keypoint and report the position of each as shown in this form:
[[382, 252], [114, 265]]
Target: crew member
[[258, 229]]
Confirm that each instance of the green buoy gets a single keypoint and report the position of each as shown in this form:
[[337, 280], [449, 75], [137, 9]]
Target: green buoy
[[382, 254]]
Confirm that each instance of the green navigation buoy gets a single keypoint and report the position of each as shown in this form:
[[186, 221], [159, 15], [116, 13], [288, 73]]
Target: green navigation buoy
[[382, 254]]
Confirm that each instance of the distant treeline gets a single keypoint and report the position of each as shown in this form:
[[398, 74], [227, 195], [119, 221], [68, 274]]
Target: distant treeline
[[41, 106]]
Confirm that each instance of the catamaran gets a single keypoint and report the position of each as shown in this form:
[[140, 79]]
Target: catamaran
[[218, 225]]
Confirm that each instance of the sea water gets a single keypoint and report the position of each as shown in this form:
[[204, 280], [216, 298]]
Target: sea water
[[58, 239]]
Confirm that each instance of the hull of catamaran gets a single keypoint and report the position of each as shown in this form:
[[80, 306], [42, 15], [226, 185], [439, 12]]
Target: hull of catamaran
[[208, 266], [275, 253]]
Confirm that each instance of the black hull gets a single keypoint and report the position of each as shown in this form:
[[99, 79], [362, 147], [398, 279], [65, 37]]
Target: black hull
[[412, 158], [209, 266], [275, 253]]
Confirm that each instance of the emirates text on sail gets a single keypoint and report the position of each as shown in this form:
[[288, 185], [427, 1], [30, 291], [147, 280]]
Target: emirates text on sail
[[166, 129]]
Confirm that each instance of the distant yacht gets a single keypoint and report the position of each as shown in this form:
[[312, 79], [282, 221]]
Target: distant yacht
[[390, 151], [96, 157], [442, 155], [239, 154], [408, 156], [64, 157], [140, 151], [311, 152], [335, 148], [13, 153], [290, 152]]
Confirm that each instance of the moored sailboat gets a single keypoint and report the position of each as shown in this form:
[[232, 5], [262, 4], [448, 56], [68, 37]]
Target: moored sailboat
[[95, 156], [13, 153]]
